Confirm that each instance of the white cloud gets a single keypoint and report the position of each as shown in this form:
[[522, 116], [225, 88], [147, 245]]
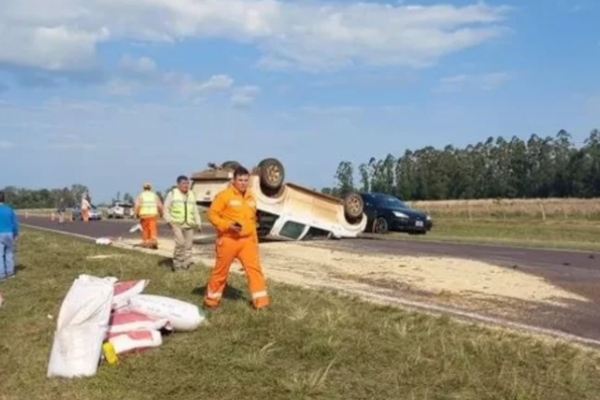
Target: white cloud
[[6, 144], [189, 86], [136, 74], [142, 65], [244, 96], [488, 81], [63, 34]]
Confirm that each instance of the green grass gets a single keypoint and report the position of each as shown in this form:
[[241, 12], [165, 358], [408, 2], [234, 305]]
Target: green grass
[[559, 234], [310, 345]]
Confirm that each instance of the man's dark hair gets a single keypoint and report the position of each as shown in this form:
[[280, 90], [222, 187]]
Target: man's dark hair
[[2, 196], [240, 171], [181, 178]]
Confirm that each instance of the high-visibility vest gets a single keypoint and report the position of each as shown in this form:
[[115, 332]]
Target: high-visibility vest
[[148, 204], [182, 209]]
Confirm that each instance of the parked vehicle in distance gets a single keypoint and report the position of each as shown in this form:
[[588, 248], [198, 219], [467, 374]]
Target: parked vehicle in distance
[[387, 213], [120, 209], [285, 210], [95, 214]]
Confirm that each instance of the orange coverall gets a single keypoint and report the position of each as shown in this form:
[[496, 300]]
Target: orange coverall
[[148, 222], [231, 206]]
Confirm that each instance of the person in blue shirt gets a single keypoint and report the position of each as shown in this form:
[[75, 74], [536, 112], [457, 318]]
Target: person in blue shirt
[[9, 231]]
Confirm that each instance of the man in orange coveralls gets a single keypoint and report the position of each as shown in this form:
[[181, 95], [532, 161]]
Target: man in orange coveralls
[[148, 208], [233, 214]]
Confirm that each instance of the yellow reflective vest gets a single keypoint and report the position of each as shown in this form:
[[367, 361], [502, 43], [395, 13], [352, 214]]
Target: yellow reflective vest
[[148, 204], [182, 210]]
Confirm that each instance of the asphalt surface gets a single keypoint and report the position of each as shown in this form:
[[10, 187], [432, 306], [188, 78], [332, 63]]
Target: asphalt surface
[[98, 229], [575, 271]]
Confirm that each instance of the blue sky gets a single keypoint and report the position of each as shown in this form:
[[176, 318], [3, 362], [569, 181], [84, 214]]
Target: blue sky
[[110, 93]]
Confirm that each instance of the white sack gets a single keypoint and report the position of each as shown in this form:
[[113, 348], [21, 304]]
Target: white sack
[[121, 322], [123, 291], [182, 315], [135, 340], [81, 328]]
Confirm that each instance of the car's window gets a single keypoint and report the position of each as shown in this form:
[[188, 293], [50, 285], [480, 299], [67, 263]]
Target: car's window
[[367, 199], [292, 230], [390, 201]]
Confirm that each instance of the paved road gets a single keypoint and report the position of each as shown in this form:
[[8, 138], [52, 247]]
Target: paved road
[[576, 271], [98, 229]]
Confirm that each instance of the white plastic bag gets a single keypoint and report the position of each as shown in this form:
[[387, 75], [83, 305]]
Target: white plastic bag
[[182, 315], [81, 327], [103, 241], [135, 340], [135, 228]]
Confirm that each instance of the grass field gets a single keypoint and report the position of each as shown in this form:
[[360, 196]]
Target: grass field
[[546, 223], [526, 232], [542, 209], [309, 345]]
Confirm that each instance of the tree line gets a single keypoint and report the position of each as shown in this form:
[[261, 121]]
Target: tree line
[[44, 198], [23, 198], [539, 167]]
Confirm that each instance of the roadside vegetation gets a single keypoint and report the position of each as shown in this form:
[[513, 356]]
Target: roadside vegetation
[[539, 167], [310, 345], [545, 223], [534, 233]]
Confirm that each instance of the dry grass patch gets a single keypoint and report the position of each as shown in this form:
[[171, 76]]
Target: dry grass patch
[[310, 345], [544, 209], [560, 234]]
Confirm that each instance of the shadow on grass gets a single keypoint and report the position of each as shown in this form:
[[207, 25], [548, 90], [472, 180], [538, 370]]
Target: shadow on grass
[[229, 293], [165, 262], [20, 267]]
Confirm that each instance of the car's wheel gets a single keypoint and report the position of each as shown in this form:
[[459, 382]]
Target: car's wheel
[[230, 165], [380, 225], [272, 173], [353, 206]]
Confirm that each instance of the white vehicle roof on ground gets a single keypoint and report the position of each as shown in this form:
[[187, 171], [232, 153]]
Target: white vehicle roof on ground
[[286, 210]]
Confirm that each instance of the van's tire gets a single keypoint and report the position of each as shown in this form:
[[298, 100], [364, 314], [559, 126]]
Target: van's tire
[[353, 206], [272, 174], [230, 165]]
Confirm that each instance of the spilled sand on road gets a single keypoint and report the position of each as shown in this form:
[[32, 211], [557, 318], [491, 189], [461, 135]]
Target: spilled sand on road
[[298, 262], [313, 264]]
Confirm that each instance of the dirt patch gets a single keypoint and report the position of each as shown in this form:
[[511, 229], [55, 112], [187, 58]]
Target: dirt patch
[[302, 263], [313, 264]]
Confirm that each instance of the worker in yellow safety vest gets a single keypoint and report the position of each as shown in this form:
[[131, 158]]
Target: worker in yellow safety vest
[[181, 213], [148, 208]]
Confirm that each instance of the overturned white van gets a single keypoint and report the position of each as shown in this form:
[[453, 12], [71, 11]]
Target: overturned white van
[[286, 210]]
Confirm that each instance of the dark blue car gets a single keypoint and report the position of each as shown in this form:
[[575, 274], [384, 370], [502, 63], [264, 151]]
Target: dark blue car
[[386, 213]]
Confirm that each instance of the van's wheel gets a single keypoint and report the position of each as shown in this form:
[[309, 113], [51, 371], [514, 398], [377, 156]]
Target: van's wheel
[[353, 206], [230, 165], [380, 226], [272, 173]]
